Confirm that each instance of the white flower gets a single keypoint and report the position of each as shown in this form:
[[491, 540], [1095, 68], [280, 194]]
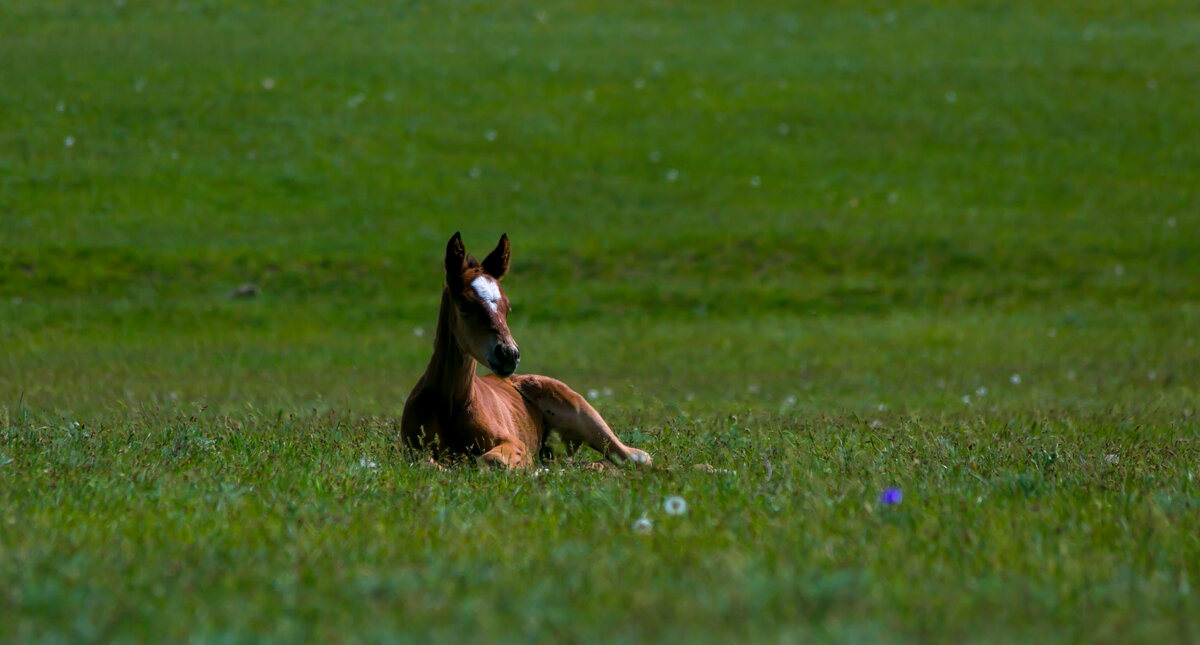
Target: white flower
[[419, 331], [981, 391], [672, 175], [69, 141], [268, 83], [593, 393], [966, 399], [1015, 379], [643, 526], [675, 505], [367, 463]]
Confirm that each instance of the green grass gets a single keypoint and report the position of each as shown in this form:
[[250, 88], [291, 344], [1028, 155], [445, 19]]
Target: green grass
[[809, 244]]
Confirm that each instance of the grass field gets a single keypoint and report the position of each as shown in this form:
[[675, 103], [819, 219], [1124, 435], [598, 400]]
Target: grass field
[[825, 248]]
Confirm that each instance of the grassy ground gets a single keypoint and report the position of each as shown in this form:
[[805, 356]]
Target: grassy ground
[[828, 248]]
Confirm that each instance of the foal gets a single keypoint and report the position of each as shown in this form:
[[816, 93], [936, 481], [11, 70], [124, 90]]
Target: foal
[[503, 418]]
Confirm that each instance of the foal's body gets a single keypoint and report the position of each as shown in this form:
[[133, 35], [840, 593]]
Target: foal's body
[[503, 418]]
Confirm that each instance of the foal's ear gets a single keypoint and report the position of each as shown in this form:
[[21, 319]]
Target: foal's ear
[[496, 263], [456, 258]]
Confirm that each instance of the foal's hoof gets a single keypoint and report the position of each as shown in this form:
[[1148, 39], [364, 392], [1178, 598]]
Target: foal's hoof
[[639, 457]]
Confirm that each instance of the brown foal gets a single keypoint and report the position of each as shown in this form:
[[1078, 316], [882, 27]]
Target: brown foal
[[503, 418]]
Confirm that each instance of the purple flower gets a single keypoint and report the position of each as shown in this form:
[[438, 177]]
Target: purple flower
[[891, 497]]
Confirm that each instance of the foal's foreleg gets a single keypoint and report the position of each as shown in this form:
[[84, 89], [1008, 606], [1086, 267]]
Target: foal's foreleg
[[568, 413], [508, 454]]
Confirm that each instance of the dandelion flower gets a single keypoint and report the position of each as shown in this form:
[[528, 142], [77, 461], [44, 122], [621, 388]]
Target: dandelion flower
[[675, 505], [1015, 379], [643, 526]]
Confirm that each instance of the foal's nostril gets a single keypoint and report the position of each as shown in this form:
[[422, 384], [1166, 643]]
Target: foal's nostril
[[506, 356], [509, 355]]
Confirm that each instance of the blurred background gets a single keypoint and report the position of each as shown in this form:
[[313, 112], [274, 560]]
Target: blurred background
[[787, 205]]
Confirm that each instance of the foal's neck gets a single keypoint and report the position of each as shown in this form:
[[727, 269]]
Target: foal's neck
[[451, 370]]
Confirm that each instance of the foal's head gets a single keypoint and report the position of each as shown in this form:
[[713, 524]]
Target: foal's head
[[479, 317]]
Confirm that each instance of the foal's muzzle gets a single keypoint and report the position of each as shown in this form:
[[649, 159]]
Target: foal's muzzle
[[504, 359]]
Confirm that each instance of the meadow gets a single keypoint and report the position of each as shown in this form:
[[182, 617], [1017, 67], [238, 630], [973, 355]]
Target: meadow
[[825, 249]]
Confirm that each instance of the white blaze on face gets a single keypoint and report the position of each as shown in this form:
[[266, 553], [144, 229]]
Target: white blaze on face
[[488, 290]]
